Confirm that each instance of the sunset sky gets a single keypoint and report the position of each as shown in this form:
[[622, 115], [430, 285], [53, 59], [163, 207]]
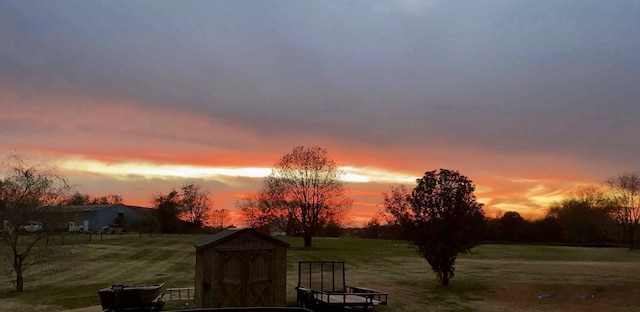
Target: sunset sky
[[529, 99]]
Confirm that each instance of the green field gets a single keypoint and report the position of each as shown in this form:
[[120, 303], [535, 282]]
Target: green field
[[494, 278]]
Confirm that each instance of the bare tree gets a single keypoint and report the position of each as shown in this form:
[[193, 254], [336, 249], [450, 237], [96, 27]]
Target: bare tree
[[254, 212], [219, 218], [79, 198], [190, 204], [107, 199], [626, 193], [195, 204], [24, 190], [305, 190]]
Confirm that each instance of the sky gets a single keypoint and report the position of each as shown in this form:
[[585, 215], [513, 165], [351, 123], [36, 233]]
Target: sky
[[529, 99]]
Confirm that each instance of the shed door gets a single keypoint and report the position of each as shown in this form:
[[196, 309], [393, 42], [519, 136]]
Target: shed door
[[246, 279]]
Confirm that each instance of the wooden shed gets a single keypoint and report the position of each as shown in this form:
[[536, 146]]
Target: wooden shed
[[240, 268]]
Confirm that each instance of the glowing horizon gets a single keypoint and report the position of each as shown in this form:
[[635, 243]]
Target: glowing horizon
[[537, 193], [149, 170], [138, 112]]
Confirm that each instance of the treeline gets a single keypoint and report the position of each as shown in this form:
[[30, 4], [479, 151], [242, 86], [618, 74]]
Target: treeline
[[590, 218], [188, 209]]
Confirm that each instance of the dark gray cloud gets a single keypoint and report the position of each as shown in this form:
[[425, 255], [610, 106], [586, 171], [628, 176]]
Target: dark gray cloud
[[511, 76]]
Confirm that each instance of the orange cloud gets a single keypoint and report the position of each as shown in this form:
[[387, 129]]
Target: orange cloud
[[127, 148]]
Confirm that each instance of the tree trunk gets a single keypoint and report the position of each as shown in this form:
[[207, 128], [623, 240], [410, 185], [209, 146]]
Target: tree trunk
[[19, 281], [307, 240], [17, 268], [444, 281], [632, 234]]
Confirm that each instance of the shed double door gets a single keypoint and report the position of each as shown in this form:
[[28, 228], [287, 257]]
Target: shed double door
[[245, 279]]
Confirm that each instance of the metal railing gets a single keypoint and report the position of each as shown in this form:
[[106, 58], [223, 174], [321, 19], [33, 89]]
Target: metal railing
[[182, 293]]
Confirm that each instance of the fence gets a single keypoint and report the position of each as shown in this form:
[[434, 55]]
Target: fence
[[184, 293]]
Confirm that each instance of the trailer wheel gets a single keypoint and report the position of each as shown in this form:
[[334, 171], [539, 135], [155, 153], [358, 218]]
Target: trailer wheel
[[305, 299]]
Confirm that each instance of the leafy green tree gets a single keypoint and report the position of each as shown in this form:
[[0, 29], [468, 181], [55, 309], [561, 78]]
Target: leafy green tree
[[442, 216]]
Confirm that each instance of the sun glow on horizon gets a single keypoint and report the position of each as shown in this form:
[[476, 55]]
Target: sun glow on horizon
[[149, 170], [162, 171], [368, 175]]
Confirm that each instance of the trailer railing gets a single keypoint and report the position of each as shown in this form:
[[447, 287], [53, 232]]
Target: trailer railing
[[368, 293], [180, 293]]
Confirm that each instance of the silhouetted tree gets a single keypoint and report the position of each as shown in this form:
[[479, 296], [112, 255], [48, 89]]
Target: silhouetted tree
[[188, 207], [194, 204], [442, 216], [168, 210], [545, 230], [584, 217], [372, 229], [580, 222], [254, 211], [625, 189], [219, 218], [511, 225], [305, 191], [24, 190], [79, 198], [148, 223], [331, 229], [397, 204], [110, 199]]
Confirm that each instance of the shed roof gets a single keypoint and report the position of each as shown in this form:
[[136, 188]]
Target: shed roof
[[231, 233]]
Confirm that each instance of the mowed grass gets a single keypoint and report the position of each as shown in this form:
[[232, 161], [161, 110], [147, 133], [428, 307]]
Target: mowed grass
[[493, 278]]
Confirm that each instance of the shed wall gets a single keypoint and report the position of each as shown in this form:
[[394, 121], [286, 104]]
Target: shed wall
[[244, 271]]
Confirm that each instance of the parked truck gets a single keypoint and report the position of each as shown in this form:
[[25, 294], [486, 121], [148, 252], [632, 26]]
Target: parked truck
[[78, 228], [32, 227]]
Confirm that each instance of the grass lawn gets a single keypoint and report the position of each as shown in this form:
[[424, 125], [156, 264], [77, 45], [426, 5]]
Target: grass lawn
[[493, 278]]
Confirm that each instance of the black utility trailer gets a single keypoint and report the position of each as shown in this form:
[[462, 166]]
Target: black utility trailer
[[322, 287], [121, 298]]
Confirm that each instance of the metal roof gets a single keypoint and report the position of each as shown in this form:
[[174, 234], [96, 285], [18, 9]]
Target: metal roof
[[231, 233], [87, 208]]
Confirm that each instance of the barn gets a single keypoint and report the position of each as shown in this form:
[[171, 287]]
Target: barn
[[240, 268], [92, 216]]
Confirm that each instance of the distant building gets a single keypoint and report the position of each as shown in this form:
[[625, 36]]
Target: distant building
[[93, 217]]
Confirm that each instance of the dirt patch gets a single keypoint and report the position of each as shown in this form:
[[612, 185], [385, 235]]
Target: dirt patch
[[563, 297]]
